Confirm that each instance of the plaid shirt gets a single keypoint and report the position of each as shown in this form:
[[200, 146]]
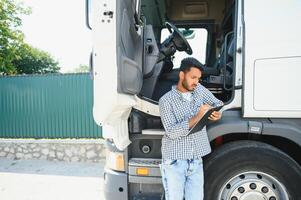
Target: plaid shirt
[[175, 113]]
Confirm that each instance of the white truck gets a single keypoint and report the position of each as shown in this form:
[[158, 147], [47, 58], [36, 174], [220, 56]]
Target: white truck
[[252, 53]]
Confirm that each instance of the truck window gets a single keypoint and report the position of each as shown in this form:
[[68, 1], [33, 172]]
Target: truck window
[[197, 38]]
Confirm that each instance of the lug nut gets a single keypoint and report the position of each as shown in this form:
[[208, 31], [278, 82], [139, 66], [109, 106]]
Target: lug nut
[[234, 198], [253, 186], [241, 189], [265, 190], [272, 198]]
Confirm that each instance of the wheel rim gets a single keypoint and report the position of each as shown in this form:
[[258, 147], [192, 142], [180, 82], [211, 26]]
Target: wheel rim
[[253, 185]]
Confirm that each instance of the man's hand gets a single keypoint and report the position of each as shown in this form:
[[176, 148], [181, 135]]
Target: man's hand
[[203, 109], [199, 115], [216, 115]]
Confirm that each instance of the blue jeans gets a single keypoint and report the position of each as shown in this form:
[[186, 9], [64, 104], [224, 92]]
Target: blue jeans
[[183, 178]]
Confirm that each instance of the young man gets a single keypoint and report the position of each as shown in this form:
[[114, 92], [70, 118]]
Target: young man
[[180, 109]]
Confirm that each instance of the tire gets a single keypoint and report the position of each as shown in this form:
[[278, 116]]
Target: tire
[[232, 168]]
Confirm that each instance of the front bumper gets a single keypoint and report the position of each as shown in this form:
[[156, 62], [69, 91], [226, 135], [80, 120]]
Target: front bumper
[[115, 185]]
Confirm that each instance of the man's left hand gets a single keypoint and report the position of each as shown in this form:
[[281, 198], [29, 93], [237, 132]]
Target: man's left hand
[[215, 115]]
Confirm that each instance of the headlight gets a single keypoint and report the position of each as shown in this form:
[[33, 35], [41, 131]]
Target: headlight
[[115, 160]]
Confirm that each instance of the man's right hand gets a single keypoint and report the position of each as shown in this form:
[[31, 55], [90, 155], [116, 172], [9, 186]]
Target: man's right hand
[[203, 109], [199, 115]]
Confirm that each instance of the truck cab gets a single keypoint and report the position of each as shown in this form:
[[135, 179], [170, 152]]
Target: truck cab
[[252, 56]]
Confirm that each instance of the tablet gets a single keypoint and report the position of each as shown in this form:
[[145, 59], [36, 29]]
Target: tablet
[[204, 120]]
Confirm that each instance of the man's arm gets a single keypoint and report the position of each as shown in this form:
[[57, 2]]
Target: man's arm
[[203, 109], [211, 100], [173, 128]]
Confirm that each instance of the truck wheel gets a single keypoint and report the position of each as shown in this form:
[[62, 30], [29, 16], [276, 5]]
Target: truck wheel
[[250, 170]]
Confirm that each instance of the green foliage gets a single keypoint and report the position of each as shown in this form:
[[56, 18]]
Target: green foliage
[[15, 55], [81, 68], [34, 61]]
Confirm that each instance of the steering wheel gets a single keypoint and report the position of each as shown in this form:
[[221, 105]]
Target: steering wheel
[[175, 41], [178, 39]]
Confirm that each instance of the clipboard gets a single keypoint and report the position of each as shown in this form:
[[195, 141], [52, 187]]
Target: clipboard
[[204, 120]]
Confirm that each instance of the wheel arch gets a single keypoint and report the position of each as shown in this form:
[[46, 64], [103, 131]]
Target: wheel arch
[[284, 136]]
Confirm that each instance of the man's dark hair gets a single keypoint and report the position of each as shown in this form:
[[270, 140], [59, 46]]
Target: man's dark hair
[[190, 62]]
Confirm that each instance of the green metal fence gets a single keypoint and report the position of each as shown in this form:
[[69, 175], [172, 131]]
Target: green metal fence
[[47, 106]]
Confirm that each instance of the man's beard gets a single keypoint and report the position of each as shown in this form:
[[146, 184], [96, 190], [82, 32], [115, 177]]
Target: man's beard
[[185, 85]]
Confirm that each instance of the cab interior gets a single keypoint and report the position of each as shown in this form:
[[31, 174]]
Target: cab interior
[[215, 18], [153, 36]]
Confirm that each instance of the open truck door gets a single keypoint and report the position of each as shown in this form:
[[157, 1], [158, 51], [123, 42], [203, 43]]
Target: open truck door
[[117, 66]]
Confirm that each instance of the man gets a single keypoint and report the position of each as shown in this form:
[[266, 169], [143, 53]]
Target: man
[[180, 109]]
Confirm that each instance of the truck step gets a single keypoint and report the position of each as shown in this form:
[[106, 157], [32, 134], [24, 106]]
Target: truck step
[[144, 162], [153, 132]]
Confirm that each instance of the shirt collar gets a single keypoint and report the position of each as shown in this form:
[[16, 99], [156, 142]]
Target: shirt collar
[[179, 94]]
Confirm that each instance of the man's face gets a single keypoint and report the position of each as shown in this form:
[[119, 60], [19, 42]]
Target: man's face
[[190, 78]]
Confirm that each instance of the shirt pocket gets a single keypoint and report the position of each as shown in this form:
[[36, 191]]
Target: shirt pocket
[[180, 111]]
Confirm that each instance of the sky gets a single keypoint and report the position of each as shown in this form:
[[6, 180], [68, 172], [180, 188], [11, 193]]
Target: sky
[[59, 27]]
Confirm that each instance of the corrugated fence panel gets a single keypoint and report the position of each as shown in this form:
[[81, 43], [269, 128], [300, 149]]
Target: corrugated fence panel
[[47, 106]]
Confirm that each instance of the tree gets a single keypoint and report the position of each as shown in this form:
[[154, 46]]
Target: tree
[[81, 68], [11, 37], [15, 55], [34, 61]]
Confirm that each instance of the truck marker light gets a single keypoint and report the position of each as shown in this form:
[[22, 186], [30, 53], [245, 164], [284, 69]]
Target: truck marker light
[[142, 171], [115, 161], [119, 162]]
